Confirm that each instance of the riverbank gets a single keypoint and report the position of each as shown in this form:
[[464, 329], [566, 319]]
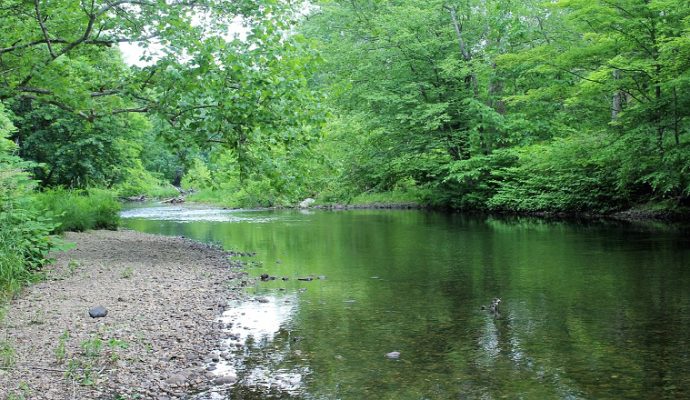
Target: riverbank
[[163, 296]]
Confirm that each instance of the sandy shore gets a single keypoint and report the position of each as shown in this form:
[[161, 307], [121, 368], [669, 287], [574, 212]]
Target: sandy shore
[[163, 296]]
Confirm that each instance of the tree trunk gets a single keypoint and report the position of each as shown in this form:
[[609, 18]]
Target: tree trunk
[[618, 97], [464, 52]]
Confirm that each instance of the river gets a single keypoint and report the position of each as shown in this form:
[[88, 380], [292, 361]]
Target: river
[[589, 310]]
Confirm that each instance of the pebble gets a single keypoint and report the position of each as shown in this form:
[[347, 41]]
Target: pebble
[[165, 344], [227, 378], [176, 380]]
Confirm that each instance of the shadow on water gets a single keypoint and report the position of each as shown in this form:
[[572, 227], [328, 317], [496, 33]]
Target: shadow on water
[[590, 309]]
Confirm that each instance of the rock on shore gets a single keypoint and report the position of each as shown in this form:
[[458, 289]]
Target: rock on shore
[[163, 295]]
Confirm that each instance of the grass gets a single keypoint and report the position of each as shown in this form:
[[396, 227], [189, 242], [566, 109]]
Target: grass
[[60, 349], [225, 198], [127, 273], [13, 272], [84, 368], [386, 198], [23, 392], [38, 318], [7, 355], [161, 192], [80, 210], [237, 198], [73, 266]]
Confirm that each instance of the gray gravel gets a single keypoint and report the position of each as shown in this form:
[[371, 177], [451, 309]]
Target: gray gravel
[[163, 295]]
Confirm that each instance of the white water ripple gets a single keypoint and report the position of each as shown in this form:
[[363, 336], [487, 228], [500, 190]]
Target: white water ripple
[[188, 214]]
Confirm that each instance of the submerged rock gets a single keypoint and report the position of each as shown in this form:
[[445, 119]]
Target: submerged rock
[[98, 312]]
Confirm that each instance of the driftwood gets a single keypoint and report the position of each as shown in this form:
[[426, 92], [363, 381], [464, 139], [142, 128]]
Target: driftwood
[[135, 198], [173, 200]]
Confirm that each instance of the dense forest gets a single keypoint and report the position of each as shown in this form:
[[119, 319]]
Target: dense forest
[[572, 106]]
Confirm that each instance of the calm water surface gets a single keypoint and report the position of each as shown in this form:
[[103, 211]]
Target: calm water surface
[[589, 311]]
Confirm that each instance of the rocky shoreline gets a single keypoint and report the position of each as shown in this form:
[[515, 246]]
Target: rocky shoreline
[[161, 333]]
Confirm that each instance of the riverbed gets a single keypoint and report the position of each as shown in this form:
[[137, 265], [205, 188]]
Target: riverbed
[[589, 309]]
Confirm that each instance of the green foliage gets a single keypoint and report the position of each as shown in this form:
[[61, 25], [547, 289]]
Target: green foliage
[[24, 233], [92, 347], [79, 210], [127, 273], [7, 355], [23, 392], [469, 184], [139, 181], [76, 153], [60, 350], [568, 106], [198, 176], [396, 197], [574, 174], [252, 193], [86, 367]]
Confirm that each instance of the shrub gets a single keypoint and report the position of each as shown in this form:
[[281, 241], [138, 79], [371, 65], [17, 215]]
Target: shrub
[[24, 234], [79, 210], [142, 182]]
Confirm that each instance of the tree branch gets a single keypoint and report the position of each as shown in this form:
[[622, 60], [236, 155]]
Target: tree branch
[[39, 18], [96, 42]]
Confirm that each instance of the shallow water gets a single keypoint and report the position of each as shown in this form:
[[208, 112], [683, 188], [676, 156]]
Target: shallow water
[[589, 310]]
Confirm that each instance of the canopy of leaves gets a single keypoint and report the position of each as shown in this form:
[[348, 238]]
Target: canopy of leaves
[[570, 105]]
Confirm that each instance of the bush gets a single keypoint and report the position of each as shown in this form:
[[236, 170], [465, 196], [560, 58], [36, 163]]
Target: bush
[[79, 210], [24, 235], [142, 182], [254, 194], [573, 174]]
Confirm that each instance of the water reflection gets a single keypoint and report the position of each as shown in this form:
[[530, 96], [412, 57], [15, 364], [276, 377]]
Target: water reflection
[[254, 332], [590, 310]]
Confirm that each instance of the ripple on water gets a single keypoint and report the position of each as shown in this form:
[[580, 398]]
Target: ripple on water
[[193, 214]]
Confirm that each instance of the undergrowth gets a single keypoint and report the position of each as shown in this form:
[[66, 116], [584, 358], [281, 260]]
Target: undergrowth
[[79, 210]]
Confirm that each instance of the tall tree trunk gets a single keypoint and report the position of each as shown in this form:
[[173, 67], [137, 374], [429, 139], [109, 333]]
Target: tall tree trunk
[[464, 52], [495, 93], [676, 120], [618, 97]]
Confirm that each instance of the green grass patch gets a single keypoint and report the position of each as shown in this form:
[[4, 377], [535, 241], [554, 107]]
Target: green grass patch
[[8, 356], [255, 194], [80, 210], [161, 192], [224, 198], [386, 198]]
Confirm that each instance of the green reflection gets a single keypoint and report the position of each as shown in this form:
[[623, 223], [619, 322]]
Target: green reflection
[[590, 310]]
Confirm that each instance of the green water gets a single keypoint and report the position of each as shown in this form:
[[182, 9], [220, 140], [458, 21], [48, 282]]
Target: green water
[[589, 310]]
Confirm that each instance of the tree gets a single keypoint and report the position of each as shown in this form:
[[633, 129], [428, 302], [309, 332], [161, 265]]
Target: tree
[[206, 87]]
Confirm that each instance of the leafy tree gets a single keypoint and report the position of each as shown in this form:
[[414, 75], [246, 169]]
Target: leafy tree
[[73, 152], [204, 88], [565, 106]]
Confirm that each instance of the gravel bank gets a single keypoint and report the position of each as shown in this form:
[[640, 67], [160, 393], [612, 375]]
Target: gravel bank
[[163, 295]]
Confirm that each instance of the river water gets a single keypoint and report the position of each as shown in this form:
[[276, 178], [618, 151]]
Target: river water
[[590, 310]]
